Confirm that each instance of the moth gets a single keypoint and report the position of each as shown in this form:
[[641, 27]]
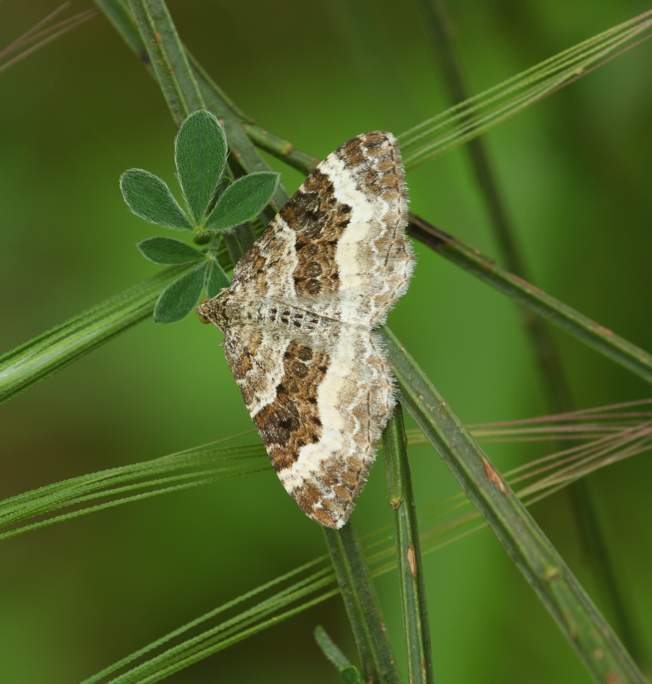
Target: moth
[[299, 318]]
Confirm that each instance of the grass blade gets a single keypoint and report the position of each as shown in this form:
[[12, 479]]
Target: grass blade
[[243, 151], [531, 297], [39, 35], [547, 573], [70, 340], [544, 348], [611, 434], [314, 582], [476, 115], [410, 566], [348, 672], [167, 57], [542, 344], [123, 22], [106, 489], [361, 605], [283, 597], [578, 325]]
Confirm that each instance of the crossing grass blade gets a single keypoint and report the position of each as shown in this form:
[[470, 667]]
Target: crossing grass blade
[[168, 58], [105, 489], [476, 115], [410, 563], [577, 617], [362, 606], [602, 436], [314, 582], [578, 325], [348, 672], [70, 340]]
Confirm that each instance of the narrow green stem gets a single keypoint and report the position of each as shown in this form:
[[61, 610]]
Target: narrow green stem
[[580, 326], [544, 348], [345, 553], [413, 592], [123, 22], [281, 149], [168, 58], [480, 163], [531, 551], [245, 236], [348, 672], [545, 351], [361, 605], [68, 341], [232, 245], [243, 151]]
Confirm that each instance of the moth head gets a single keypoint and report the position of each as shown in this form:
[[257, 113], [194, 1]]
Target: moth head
[[214, 310]]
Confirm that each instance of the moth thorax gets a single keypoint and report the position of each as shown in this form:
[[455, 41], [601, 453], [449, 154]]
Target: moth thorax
[[291, 317]]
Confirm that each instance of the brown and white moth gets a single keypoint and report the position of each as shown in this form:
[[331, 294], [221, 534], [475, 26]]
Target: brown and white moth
[[298, 323]]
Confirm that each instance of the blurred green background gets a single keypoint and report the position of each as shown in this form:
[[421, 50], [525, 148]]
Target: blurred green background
[[575, 174]]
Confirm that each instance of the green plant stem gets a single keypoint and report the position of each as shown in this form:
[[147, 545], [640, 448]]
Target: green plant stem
[[246, 236], [168, 58], [361, 605], [543, 346], [251, 620], [413, 592], [281, 149], [344, 550], [207, 463], [70, 340], [233, 246], [545, 350], [544, 569], [578, 325], [348, 672], [454, 126], [243, 152]]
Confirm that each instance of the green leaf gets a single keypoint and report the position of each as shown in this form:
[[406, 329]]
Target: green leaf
[[216, 279], [162, 250], [243, 200], [200, 156], [150, 198], [178, 299]]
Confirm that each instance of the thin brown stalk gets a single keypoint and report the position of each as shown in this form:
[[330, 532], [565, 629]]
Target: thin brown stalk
[[33, 40]]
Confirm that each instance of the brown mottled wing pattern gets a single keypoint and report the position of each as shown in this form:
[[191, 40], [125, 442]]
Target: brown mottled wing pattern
[[354, 402], [339, 244], [298, 321], [328, 409]]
